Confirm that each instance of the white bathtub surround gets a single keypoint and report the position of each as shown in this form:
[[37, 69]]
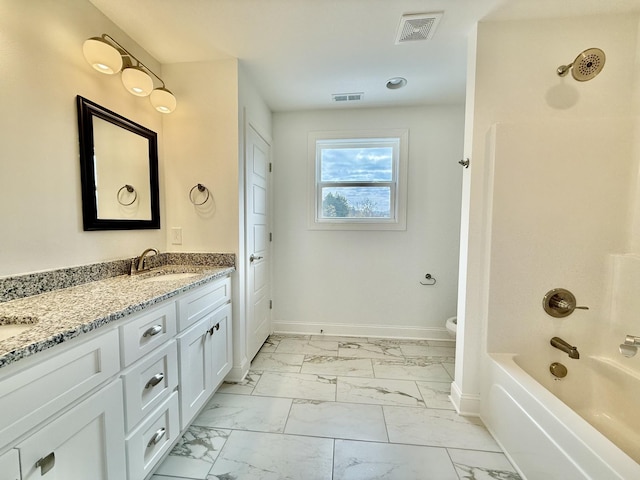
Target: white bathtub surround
[[532, 423], [363, 432], [551, 194]]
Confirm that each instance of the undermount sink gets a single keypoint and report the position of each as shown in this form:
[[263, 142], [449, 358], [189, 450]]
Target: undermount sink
[[168, 277], [13, 328]]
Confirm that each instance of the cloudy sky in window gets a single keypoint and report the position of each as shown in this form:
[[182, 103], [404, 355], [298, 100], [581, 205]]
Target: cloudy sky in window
[[359, 164]]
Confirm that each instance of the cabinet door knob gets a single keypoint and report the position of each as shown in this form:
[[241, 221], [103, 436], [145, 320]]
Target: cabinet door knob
[[156, 329], [46, 463], [153, 381], [156, 437]]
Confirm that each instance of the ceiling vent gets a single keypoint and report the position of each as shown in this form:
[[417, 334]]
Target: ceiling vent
[[419, 26], [347, 97]]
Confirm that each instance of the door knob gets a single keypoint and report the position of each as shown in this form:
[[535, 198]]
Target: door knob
[[253, 257]]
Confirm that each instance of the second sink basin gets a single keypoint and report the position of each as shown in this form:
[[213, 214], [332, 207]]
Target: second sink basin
[[168, 277], [10, 327]]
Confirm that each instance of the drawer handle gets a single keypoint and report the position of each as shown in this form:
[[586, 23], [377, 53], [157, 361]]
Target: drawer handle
[[153, 381], [156, 437], [46, 463], [156, 329], [215, 327]]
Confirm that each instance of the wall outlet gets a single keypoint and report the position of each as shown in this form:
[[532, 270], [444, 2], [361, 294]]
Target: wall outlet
[[176, 235]]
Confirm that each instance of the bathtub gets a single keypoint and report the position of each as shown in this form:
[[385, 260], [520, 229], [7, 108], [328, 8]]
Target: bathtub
[[592, 433]]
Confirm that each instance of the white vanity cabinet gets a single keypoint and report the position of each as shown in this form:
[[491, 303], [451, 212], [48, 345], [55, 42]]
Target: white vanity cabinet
[[51, 421], [10, 465], [110, 404], [204, 345], [85, 442]]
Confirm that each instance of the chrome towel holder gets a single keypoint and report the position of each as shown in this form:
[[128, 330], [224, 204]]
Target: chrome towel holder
[[130, 189], [201, 188]]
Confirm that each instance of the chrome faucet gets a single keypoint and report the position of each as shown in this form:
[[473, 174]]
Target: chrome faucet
[[630, 346], [560, 344], [138, 264]]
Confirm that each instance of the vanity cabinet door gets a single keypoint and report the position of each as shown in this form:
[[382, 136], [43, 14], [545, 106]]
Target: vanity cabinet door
[[221, 347], [10, 465], [86, 442], [196, 382]]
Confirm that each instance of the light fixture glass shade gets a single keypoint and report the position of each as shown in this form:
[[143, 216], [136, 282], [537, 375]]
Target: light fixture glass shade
[[102, 56], [163, 100], [137, 81]]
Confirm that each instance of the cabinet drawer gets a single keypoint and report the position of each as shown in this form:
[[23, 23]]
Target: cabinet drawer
[[148, 443], [34, 394], [149, 382], [86, 442], [147, 331], [202, 301]]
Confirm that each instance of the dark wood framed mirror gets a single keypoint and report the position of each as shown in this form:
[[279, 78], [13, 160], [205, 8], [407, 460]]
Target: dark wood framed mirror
[[118, 170]]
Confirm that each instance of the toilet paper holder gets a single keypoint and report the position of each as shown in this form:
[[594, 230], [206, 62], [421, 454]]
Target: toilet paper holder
[[431, 280]]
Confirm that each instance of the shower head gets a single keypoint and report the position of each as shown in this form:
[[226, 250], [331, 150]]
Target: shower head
[[586, 66]]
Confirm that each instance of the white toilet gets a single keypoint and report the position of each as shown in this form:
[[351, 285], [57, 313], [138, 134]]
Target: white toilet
[[452, 326]]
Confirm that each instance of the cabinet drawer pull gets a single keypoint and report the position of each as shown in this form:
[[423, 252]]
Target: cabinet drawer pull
[[156, 329], [156, 437], [153, 381], [46, 463]]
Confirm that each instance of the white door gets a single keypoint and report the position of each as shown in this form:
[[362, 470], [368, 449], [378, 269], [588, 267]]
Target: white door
[[258, 288]]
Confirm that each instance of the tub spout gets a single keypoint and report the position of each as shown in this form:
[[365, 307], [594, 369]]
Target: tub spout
[[560, 344]]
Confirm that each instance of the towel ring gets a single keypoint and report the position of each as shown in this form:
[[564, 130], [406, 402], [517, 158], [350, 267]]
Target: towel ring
[[201, 188], [129, 189], [430, 280]]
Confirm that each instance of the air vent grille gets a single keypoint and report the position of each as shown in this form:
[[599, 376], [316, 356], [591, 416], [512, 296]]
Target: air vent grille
[[347, 97], [421, 26]]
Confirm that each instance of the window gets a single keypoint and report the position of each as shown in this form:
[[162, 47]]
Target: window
[[359, 180]]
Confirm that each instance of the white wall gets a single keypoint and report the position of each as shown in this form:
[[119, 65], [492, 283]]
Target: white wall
[[204, 143], [367, 282], [201, 147], [545, 115], [43, 70]]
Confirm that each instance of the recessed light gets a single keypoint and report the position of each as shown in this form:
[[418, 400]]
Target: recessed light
[[396, 82]]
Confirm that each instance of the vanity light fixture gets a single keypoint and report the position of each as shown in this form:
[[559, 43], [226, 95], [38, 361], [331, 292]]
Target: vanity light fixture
[[107, 56]]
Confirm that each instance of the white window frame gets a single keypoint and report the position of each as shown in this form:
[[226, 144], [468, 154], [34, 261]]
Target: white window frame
[[398, 185]]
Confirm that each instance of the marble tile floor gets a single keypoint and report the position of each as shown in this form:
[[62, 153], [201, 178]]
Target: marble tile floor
[[338, 408]]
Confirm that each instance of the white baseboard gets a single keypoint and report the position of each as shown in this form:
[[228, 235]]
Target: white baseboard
[[349, 330], [237, 373], [465, 404]]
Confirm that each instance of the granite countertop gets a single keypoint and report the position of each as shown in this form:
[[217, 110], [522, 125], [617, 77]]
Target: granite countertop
[[59, 315]]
